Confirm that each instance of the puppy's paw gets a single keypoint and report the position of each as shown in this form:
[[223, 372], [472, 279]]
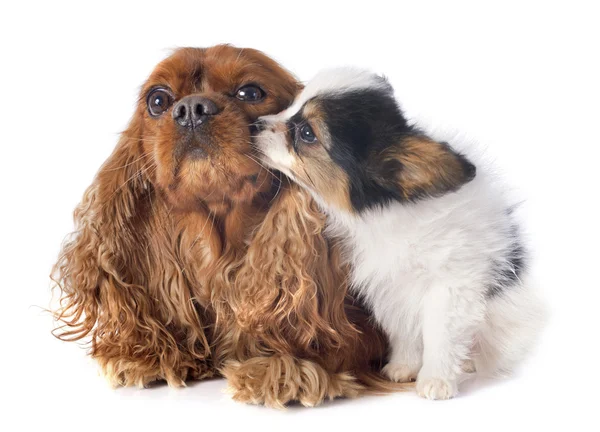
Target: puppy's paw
[[436, 388], [468, 366], [401, 373]]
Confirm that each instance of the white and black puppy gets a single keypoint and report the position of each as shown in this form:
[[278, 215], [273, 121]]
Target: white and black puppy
[[434, 247]]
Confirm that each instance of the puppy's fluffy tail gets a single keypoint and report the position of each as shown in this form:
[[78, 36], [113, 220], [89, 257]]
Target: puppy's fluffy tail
[[511, 330], [376, 384]]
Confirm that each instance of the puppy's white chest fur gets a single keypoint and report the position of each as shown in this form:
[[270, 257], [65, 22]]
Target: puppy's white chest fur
[[401, 252], [389, 268]]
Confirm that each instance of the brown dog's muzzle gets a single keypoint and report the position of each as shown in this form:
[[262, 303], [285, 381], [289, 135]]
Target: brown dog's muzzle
[[192, 115]]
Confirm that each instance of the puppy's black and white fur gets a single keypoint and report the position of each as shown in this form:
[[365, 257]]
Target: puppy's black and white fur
[[432, 241]]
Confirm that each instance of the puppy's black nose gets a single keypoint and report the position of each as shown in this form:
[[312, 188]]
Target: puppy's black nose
[[191, 111], [260, 125]]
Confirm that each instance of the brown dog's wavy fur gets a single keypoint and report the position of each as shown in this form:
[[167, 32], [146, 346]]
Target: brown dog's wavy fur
[[255, 293], [122, 280]]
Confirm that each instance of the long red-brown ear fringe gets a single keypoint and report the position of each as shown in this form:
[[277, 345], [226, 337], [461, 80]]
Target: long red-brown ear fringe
[[422, 167], [285, 281], [109, 280]]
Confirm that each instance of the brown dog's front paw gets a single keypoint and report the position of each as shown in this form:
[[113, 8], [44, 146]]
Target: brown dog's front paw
[[277, 380]]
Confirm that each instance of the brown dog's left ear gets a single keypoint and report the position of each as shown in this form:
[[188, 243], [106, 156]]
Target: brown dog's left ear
[[422, 167]]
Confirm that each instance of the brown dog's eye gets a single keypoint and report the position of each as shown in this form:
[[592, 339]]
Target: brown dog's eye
[[159, 100], [250, 93]]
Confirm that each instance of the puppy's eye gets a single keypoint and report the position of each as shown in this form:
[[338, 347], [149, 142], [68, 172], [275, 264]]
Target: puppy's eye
[[250, 93], [306, 134], [159, 100]]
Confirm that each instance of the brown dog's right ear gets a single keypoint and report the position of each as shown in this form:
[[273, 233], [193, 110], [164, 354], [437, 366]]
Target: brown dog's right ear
[[88, 272], [421, 167], [110, 275]]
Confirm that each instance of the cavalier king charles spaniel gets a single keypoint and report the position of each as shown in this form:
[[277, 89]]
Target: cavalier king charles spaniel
[[192, 260]]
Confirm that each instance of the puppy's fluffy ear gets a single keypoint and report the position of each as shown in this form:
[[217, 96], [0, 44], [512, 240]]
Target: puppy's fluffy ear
[[419, 167]]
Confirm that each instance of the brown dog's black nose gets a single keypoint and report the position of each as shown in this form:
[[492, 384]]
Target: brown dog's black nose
[[192, 111]]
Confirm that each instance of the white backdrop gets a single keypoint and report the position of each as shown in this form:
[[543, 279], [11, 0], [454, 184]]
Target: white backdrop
[[522, 79]]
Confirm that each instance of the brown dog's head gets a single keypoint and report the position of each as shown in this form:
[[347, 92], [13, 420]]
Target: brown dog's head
[[196, 114]]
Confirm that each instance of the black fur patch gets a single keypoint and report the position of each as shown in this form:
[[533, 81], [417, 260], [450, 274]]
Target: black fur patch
[[507, 273], [360, 122], [364, 123], [292, 124]]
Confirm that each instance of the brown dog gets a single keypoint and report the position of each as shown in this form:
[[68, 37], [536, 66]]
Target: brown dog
[[190, 259]]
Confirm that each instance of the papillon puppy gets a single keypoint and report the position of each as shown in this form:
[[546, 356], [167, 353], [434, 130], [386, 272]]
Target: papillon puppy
[[432, 241]]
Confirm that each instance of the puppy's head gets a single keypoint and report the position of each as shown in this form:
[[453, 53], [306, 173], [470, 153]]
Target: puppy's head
[[345, 139], [197, 111]]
